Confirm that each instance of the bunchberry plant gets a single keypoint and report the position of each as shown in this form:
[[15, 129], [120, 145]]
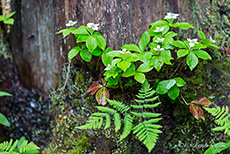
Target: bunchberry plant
[[156, 47]]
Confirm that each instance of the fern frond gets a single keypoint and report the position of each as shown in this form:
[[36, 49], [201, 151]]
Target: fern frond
[[146, 114], [128, 124], [95, 121], [119, 106], [117, 121], [18, 147], [106, 109], [148, 133], [221, 118]]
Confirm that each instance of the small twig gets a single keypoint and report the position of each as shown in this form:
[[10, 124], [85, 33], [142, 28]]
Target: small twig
[[184, 100], [67, 77], [177, 68]]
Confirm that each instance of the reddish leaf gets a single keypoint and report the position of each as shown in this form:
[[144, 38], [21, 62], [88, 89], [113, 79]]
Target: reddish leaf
[[103, 81], [94, 87], [102, 95], [196, 111], [205, 102]]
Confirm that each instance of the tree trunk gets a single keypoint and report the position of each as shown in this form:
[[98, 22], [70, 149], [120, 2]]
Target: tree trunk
[[39, 53]]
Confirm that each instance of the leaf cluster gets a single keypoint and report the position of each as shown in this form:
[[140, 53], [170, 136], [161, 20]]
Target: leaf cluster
[[20, 146], [147, 129]]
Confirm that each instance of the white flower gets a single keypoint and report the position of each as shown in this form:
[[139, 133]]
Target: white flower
[[213, 41], [192, 42], [71, 23], [108, 67], [159, 29], [159, 40], [93, 26], [171, 16], [123, 51], [158, 48]]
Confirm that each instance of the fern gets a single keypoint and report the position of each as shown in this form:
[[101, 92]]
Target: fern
[[148, 133], [128, 124], [147, 130], [222, 118], [18, 147]]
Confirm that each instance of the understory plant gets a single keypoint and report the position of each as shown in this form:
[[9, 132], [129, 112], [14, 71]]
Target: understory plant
[[158, 46]]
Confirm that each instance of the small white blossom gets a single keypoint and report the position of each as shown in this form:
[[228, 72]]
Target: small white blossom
[[192, 42], [108, 67], [159, 29], [71, 23], [93, 26], [213, 41], [124, 51], [158, 48], [159, 40], [171, 16]]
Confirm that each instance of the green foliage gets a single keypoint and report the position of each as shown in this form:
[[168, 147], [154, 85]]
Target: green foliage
[[7, 19], [3, 119], [170, 87], [146, 130], [222, 118], [20, 146]]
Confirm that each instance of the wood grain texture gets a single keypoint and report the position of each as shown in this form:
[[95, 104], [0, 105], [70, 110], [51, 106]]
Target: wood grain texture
[[39, 53]]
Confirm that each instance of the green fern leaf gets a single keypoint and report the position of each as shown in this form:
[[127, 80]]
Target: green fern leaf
[[128, 124], [117, 121], [222, 118], [152, 105], [137, 106], [106, 109], [119, 106], [148, 133], [146, 114], [107, 123]]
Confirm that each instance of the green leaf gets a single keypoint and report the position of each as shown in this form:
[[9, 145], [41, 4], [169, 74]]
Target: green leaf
[[199, 46], [131, 47], [173, 92], [182, 52], [139, 77], [100, 41], [10, 15], [106, 58], [4, 121], [97, 52], [191, 60], [124, 65], [179, 82], [9, 21], [144, 68], [145, 38], [82, 30], [179, 44], [73, 52], [128, 124], [91, 43], [2, 93], [117, 121], [183, 25], [164, 86], [202, 54], [202, 36], [217, 147], [114, 71], [2, 17], [86, 55], [130, 71], [82, 38]]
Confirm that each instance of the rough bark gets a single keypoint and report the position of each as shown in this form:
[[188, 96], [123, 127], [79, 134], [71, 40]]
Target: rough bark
[[39, 53]]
